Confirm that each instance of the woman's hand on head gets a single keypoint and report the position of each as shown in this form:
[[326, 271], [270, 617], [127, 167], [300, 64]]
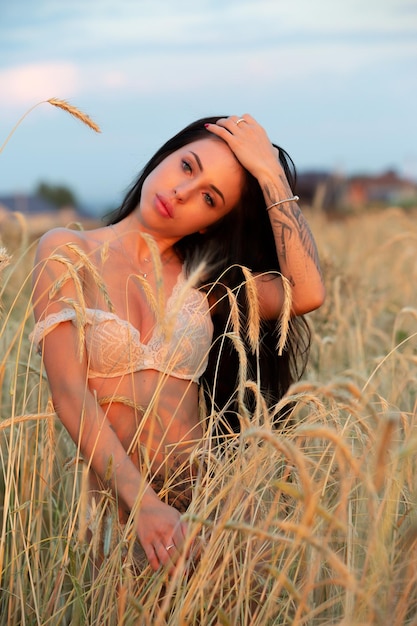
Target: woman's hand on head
[[161, 533], [249, 142]]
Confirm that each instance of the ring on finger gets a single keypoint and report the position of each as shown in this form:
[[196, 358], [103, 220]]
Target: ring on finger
[[241, 119], [168, 548]]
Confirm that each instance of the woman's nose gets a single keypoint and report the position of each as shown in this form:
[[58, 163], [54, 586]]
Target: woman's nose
[[183, 191]]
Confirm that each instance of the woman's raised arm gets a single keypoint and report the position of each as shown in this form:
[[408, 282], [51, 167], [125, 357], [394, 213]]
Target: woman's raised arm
[[294, 242]]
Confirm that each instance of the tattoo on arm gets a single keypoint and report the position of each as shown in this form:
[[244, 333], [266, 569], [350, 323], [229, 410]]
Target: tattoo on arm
[[293, 223], [284, 233]]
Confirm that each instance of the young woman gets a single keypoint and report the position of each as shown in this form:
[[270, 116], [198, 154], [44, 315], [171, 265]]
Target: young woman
[[126, 340]]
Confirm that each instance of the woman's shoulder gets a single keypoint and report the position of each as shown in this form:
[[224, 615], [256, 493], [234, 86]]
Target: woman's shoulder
[[65, 240]]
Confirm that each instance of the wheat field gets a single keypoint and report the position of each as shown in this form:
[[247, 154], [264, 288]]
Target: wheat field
[[311, 524]]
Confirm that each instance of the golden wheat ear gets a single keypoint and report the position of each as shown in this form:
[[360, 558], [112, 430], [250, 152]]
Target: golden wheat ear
[[72, 110], [61, 104], [5, 258]]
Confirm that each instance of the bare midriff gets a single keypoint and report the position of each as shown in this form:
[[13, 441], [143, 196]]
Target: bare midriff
[[154, 413]]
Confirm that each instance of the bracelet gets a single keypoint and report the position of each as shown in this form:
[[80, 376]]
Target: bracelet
[[293, 199]]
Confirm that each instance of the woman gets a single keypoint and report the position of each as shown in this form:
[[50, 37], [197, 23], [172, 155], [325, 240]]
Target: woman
[[124, 378]]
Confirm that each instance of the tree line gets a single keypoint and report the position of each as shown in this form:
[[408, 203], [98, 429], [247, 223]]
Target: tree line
[[57, 195]]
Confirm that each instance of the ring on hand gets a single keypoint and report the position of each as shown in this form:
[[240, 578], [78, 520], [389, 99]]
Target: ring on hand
[[241, 119], [171, 545]]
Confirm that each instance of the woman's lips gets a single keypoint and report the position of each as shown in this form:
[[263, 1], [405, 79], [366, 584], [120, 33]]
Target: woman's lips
[[164, 207]]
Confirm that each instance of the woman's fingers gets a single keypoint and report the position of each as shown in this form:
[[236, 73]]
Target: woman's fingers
[[152, 557], [236, 122], [163, 555], [249, 142], [165, 552]]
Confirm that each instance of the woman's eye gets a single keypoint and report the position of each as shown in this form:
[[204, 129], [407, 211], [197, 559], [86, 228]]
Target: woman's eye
[[208, 199], [187, 167]]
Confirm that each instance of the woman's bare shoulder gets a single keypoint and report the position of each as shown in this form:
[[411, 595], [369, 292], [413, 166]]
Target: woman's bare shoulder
[[62, 239]]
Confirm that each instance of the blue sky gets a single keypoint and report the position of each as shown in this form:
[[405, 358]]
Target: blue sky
[[332, 81]]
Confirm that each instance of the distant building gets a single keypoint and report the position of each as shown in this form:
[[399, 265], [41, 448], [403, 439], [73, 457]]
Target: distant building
[[334, 192], [385, 189]]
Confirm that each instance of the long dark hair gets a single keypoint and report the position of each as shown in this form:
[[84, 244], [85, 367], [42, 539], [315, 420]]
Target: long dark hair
[[243, 237]]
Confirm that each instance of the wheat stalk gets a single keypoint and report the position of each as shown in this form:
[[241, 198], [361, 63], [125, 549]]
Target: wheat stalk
[[284, 321], [61, 104], [5, 258], [254, 319], [75, 112]]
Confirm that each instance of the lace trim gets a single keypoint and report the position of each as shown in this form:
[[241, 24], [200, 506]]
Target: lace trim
[[43, 327], [178, 347]]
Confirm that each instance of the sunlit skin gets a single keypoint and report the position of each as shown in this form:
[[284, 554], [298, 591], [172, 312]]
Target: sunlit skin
[[190, 190], [178, 198]]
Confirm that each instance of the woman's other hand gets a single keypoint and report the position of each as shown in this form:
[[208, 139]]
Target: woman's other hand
[[160, 531]]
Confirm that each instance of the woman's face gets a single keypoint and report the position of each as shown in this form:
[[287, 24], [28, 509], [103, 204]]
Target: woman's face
[[191, 189]]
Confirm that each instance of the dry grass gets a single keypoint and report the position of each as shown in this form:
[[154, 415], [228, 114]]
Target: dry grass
[[314, 524]]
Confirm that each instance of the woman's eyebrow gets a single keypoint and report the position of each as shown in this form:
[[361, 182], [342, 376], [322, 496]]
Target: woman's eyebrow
[[200, 165]]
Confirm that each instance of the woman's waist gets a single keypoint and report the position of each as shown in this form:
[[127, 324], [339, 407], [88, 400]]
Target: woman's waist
[[161, 435], [143, 391]]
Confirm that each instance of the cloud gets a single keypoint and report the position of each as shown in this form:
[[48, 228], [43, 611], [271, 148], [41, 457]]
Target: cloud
[[104, 30], [274, 65], [26, 84], [286, 67]]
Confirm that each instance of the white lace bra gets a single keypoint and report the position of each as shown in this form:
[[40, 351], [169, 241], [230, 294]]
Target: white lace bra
[[179, 346]]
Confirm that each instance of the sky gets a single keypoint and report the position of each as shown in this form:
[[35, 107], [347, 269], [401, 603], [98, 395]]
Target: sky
[[334, 82]]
